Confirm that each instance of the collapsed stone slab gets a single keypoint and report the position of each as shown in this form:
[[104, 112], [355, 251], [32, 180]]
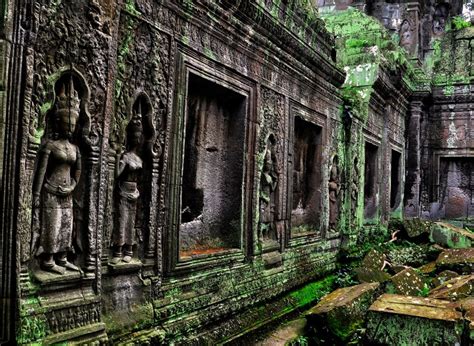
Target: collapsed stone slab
[[371, 269], [341, 312], [406, 320], [460, 260], [454, 289], [408, 282], [450, 236]]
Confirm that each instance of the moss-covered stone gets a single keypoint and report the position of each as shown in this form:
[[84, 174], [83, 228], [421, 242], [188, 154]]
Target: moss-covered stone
[[343, 311], [450, 236], [405, 320]]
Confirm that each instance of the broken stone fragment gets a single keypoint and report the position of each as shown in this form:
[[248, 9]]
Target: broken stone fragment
[[454, 289], [371, 269], [405, 320], [408, 282], [343, 311], [444, 276], [450, 236], [416, 227], [428, 268], [466, 305], [460, 260]]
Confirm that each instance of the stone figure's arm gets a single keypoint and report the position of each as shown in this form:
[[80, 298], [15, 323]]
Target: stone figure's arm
[[78, 170], [120, 166], [43, 158]]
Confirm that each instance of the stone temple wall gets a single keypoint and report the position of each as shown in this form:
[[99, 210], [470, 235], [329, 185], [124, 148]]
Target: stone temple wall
[[128, 125]]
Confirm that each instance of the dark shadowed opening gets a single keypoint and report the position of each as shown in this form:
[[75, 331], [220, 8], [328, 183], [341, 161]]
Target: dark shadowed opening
[[370, 206], [395, 180], [211, 209], [306, 178]]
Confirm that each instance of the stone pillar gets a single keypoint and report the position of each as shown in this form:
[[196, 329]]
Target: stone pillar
[[413, 160]]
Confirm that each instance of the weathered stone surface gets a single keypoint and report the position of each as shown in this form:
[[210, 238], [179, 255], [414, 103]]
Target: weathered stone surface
[[371, 269], [408, 282], [428, 268], [343, 311], [450, 236], [444, 276], [416, 227], [457, 259], [404, 320], [466, 305], [454, 289]]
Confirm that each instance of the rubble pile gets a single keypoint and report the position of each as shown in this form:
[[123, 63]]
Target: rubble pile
[[415, 289]]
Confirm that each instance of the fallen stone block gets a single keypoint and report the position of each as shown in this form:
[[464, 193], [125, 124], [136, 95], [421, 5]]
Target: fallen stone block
[[460, 260], [405, 320], [343, 311], [454, 289], [428, 268], [444, 276], [416, 227], [408, 282], [466, 305], [371, 269], [450, 236]]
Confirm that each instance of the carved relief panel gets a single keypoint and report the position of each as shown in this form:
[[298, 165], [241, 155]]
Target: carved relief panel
[[271, 165], [138, 132]]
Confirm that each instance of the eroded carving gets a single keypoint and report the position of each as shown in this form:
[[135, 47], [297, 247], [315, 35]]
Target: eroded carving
[[128, 168], [268, 189], [334, 189], [57, 174]]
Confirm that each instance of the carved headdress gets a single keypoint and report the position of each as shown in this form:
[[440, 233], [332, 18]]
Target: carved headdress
[[68, 103]]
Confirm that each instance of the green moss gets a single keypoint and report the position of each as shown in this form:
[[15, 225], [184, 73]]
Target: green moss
[[459, 23], [313, 291]]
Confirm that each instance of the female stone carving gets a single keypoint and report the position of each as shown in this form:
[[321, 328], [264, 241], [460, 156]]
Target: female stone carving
[[268, 185], [334, 188], [57, 174], [128, 168]]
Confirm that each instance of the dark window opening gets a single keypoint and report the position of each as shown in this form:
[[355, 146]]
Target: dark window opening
[[395, 180], [212, 182], [306, 178], [370, 183]]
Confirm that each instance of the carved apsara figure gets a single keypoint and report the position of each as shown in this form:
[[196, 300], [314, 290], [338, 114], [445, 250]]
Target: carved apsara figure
[[128, 169], [268, 189], [56, 177], [355, 189], [334, 188], [406, 35]]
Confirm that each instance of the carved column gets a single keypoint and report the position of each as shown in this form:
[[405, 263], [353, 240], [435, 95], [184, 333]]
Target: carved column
[[413, 162]]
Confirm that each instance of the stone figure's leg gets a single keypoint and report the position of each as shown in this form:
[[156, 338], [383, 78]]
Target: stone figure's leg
[[128, 253], [48, 264], [117, 255], [63, 262]]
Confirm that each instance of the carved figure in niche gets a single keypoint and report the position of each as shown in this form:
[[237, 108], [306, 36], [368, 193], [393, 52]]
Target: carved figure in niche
[[128, 169], [268, 190], [57, 174], [334, 188], [406, 35], [355, 189], [439, 19]]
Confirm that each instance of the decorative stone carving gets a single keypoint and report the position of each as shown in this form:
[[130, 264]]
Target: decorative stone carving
[[355, 189], [406, 35], [57, 174], [268, 189], [439, 19], [334, 188], [128, 168]]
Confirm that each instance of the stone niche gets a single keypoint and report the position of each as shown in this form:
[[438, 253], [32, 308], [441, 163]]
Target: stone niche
[[307, 151], [212, 176], [370, 182], [395, 180], [456, 186]]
